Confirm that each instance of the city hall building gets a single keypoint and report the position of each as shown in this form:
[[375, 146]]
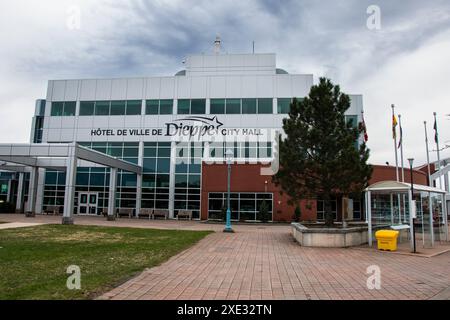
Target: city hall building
[[173, 133]]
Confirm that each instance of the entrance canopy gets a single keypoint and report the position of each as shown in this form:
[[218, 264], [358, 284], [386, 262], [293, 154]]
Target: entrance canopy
[[389, 204], [61, 157]]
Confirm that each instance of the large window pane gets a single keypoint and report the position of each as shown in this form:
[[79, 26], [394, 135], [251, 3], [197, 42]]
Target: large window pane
[[134, 107], [87, 108], [163, 166], [102, 108], [217, 106], [69, 108], [166, 107], [149, 165], [117, 108], [184, 106], [284, 105], [248, 106], [151, 106], [265, 105], [233, 106], [198, 106], [57, 109]]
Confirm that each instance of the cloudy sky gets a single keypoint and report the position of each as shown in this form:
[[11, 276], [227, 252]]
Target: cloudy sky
[[406, 62]]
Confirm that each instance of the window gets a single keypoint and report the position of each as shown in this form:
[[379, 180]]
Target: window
[[87, 108], [69, 108], [284, 105], [248, 106], [66, 108], [352, 119], [159, 107], [184, 106], [118, 108], [165, 106], [233, 106], [134, 107], [217, 106], [198, 106], [102, 108], [321, 209], [244, 206], [265, 106], [194, 106]]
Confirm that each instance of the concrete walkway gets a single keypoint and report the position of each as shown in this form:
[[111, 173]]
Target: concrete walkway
[[264, 262], [13, 225]]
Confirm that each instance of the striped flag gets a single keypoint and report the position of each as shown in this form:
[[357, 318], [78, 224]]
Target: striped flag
[[400, 141], [394, 126]]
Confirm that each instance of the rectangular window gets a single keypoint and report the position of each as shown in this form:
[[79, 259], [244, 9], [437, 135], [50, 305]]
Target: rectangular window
[[57, 109], [198, 106], [233, 106], [117, 108], [217, 106], [165, 106], [102, 108], [69, 108], [265, 106], [184, 106], [284, 105], [152, 107], [134, 107], [87, 108], [248, 106]]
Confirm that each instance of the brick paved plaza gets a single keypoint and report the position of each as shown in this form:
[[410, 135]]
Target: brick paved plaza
[[264, 262]]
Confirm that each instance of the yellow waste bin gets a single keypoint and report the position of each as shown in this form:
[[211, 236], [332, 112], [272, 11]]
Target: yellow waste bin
[[387, 239]]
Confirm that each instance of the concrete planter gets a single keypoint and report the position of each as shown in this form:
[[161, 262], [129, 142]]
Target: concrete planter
[[353, 235]]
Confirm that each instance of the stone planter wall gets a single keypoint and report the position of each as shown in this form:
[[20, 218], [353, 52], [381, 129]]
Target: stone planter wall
[[330, 237]]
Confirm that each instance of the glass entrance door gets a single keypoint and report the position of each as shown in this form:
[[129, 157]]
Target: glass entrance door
[[87, 203]]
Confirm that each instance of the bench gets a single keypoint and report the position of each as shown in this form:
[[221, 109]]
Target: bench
[[54, 210], [160, 213], [145, 213], [125, 212], [184, 214]]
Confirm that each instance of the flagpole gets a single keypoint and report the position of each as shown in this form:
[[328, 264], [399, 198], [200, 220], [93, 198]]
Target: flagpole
[[428, 155], [401, 146], [437, 147], [395, 142]]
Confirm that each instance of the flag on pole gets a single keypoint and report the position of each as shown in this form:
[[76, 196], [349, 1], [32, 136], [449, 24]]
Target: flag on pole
[[436, 139], [394, 125], [364, 128], [401, 137]]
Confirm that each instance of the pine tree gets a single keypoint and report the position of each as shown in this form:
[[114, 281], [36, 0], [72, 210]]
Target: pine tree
[[319, 156]]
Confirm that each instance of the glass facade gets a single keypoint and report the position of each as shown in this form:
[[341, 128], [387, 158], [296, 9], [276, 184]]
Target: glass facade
[[188, 167], [191, 106], [242, 106], [159, 107], [244, 206], [112, 108], [65, 108], [156, 175], [247, 150]]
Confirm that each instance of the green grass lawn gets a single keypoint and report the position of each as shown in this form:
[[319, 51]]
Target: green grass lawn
[[33, 261]]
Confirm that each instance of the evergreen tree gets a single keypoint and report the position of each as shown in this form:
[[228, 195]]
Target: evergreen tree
[[319, 156]]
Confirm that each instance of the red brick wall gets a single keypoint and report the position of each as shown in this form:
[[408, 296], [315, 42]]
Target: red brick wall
[[382, 173], [247, 178]]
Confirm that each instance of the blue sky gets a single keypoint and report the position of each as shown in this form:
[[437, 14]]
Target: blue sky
[[405, 62]]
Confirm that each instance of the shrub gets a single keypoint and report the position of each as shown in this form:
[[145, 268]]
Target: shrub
[[7, 207], [264, 214], [297, 214]]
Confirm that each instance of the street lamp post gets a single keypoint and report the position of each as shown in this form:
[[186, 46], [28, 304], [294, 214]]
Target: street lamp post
[[229, 157], [411, 160]]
